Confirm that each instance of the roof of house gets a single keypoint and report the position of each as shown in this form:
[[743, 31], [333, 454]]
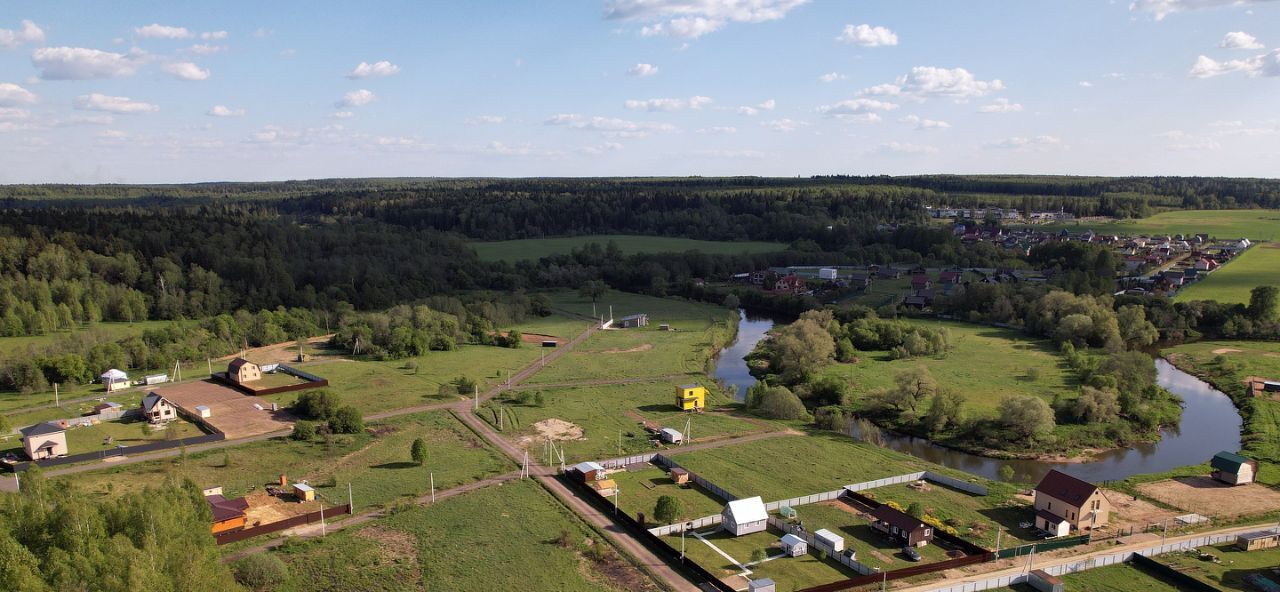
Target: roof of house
[[1228, 461], [690, 386], [748, 510], [827, 535], [225, 509], [302, 487], [106, 405], [1050, 516], [42, 429], [679, 471], [1066, 488], [893, 517], [587, 467], [1259, 534], [604, 484], [672, 432], [792, 540], [634, 316], [238, 363], [151, 400], [114, 375]]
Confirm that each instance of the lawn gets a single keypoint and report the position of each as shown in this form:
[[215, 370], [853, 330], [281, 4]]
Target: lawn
[[638, 492], [377, 464], [128, 432], [1114, 578], [881, 292], [789, 573], [537, 248], [1258, 266], [498, 538], [786, 467], [1230, 574], [985, 365], [1251, 224], [975, 517], [606, 411]]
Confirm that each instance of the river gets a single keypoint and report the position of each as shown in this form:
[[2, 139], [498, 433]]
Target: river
[[1214, 425]]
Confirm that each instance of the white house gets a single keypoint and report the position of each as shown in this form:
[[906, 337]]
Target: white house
[[793, 546], [158, 409], [830, 539], [744, 516]]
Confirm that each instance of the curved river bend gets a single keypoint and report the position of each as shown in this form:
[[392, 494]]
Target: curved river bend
[[1210, 424]]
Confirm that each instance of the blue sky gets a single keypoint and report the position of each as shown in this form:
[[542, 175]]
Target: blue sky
[[173, 92]]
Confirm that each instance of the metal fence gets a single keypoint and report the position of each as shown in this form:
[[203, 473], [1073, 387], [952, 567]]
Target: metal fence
[[694, 524], [223, 538], [103, 454], [814, 543], [825, 496], [618, 463], [1042, 546]]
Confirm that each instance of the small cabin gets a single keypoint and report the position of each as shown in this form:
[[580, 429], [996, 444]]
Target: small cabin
[[911, 531], [1043, 582], [114, 380], [691, 397], [744, 516], [1233, 469], [158, 409], [679, 476], [633, 321], [830, 539], [1260, 539], [672, 436], [241, 371], [304, 492], [228, 514], [793, 546], [588, 471]]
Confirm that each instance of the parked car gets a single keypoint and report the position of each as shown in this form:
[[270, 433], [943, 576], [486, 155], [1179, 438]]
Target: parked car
[[911, 553]]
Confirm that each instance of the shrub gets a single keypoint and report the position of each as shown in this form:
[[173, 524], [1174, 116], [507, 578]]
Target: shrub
[[260, 572], [303, 431], [318, 405], [347, 420], [418, 451], [667, 510]]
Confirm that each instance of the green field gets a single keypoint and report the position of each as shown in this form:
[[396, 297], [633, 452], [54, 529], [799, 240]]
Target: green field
[[975, 517], [1251, 224], [1114, 578], [873, 548], [104, 331], [789, 573], [537, 248], [984, 365], [498, 538], [1230, 574], [1258, 266], [604, 412], [377, 466], [638, 493]]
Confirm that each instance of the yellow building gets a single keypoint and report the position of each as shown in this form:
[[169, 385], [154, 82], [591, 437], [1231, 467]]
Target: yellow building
[[691, 397]]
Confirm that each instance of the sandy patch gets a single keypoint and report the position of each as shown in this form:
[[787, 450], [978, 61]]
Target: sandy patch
[[393, 545], [644, 347], [1226, 350], [555, 429], [1136, 513], [1203, 495], [265, 509]]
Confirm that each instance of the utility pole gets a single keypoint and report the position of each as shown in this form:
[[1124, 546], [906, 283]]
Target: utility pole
[[56, 402], [544, 357], [433, 488], [351, 504], [999, 531], [324, 530], [524, 469], [477, 398], [500, 414], [209, 361]]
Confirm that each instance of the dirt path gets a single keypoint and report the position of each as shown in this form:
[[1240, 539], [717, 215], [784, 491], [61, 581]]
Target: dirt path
[[284, 352], [607, 381]]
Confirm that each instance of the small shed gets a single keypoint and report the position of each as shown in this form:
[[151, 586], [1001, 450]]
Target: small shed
[[605, 487], [304, 492], [1052, 523], [1233, 469], [228, 514], [1042, 581], [202, 411], [762, 585], [153, 379], [1259, 539], [679, 476], [827, 273], [241, 371], [830, 539], [633, 321], [744, 516], [588, 471], [672, 436], [793, 546]]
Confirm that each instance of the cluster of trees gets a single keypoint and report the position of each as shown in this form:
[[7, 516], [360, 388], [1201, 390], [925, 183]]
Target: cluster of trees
[[440, 324], [54, 537], [324, 407]]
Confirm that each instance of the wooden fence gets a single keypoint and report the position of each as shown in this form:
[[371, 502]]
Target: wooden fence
[[223, 538]]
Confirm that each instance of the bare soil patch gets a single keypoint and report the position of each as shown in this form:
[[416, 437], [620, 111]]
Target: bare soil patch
[[539, 338], [643, 347], [231, 412], [1226, 350], [1203, 495], [393, 545], [265, 509], [277, 353], [555, 429], [1136, 513]]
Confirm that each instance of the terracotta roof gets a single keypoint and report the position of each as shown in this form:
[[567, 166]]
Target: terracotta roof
[[225, 509], [1066, 488], [893, 517]]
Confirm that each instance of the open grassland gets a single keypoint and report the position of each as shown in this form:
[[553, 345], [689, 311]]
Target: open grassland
[[984, 365], [102, 331], [499, 538], [1258, 266], [537, 248], [1251, 224], [638, 493], [789, 573], [128, 432], [605, 412], [376, 463], [786, 467], [1230, 574], [1114, 578]]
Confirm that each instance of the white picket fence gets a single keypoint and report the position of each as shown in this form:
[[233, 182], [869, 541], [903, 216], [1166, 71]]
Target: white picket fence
[[1090, 563]]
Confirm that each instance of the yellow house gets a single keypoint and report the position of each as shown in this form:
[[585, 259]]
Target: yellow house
[[691, 397]]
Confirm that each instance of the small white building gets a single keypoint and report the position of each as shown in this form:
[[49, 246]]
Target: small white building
[[827, 273], [155, 379], [114, 379], [744, 516], [830, 539], [671, 436], [762, 585], [202, 411], [793, 546]]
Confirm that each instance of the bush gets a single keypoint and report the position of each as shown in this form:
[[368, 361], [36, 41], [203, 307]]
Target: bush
[[318, 405], [303, 431], [667, 510], [418, 451], [260, 572], [347, 420]]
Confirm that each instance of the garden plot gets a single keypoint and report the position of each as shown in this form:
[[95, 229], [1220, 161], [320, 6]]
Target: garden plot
[[639, 490], [1206, 496], [754, 556], [873, 548]]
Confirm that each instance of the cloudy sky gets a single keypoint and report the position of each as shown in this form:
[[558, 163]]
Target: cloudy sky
[[151, 91]]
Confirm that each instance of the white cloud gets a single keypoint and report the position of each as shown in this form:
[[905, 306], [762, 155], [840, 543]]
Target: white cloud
[[925, 82], [485, 120], [642, 70], [753, 154], [1240, 40], [784, 125], [750, 110], [832, 77], [1267, 64], [112, 135], [342, 115], [215, 35], [1002, 105], [185, 71], [225, 111], [374, 70], [80, 63], [206, 49], [696, 102], [924, 124], [610, 126], [867, 36], [12, 95], [690, 19], [1162, 8], [1025, 144], [356, 98], [13, 113], [263, 32], [1085, 84], [158, 31], [719, 129], [1183, 142], [29, 33], [101, 102], [905, 148], [848, 107], [274, 134]]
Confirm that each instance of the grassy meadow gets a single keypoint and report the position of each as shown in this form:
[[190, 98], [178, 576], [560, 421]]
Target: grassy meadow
[[536, 248], [377, 464], [498, 538], [1258, 266], [110, 331], [1114, 578], [1251, 224]]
